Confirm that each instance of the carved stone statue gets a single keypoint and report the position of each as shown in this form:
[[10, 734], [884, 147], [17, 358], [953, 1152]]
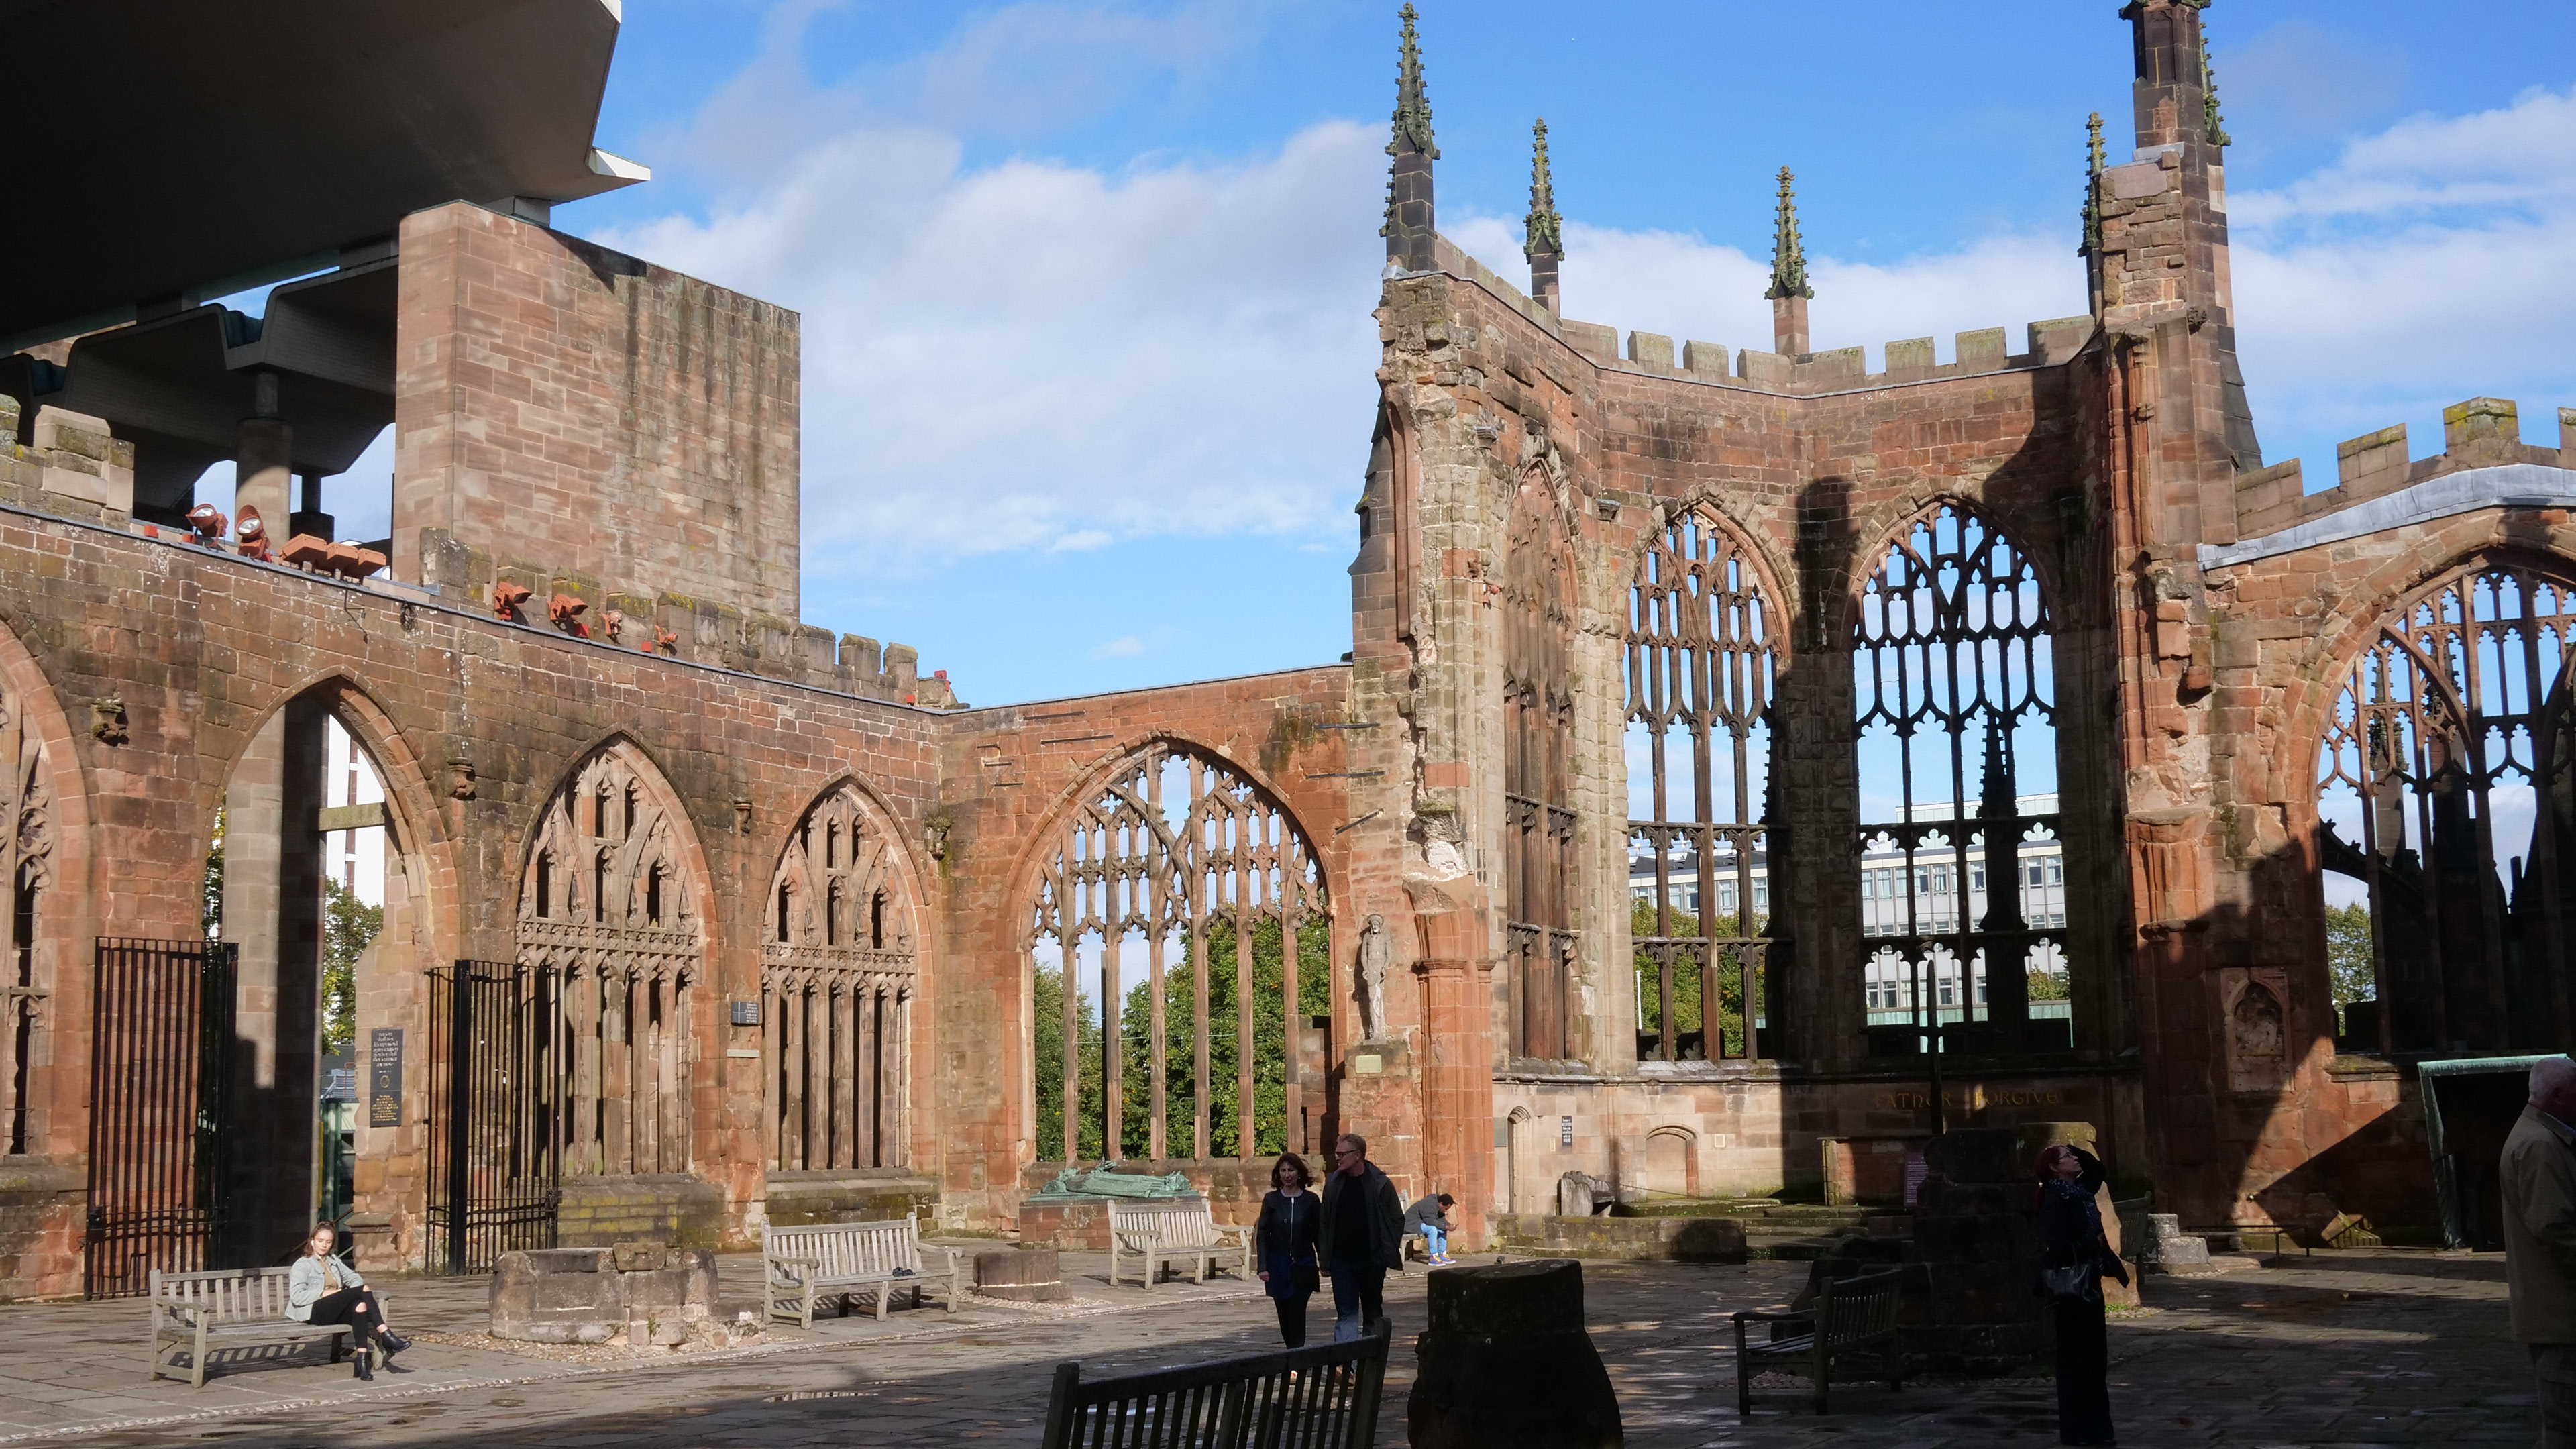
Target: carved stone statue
[[1376, 950], [1078, 1181]]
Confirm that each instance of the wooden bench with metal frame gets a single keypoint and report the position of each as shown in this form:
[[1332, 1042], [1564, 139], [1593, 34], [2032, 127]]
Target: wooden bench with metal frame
[[1848, 1314], [1170, 1234], [1310, 1398], [227, 1308], [814, 1261]]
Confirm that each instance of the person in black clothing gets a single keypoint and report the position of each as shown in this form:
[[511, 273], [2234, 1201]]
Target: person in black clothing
[[2072, 1244], [1362, 1236], [1285, 1235]]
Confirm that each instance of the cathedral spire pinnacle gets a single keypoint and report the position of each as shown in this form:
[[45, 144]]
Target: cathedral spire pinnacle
[[1789, 287], [1408, 229], [2092, 186], [2210, 118], [1545, 244]]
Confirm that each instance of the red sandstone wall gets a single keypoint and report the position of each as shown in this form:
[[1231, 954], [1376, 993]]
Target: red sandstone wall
[[572, 410]]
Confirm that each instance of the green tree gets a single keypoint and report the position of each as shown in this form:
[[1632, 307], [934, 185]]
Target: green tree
[[1269, 1037], [1686, 976], [2047, 986], [211, 904], [349, 925], [2348, 956], [1046, 999]]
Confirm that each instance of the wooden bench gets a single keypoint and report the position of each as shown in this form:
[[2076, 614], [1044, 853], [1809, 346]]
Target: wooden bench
[[1311, 1398], [1849, 1313], [840, 1260], [228, 1308], [1160, 1235]]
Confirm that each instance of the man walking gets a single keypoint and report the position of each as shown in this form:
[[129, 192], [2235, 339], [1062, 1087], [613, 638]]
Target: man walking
[[1362, 1236], [2538, 1175]]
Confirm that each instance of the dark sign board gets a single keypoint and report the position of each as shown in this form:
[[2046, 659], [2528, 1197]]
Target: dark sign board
[[384, 1077]]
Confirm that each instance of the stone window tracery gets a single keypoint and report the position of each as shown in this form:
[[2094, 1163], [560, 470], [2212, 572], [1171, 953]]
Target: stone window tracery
[[837, 1014], [1538, 603], [1700, 671], [1957, 750], [26, 872], [2447, 808], [1180, 912], [623, 946]]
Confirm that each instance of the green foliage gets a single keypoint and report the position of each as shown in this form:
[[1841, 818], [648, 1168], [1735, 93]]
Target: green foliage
[[1686, 976], [2348, 955], [1136, 1050], [349, 925], [2047, 986], [211, 904]]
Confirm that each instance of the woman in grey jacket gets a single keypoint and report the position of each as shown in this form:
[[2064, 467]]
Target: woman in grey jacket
[[322, 1289]]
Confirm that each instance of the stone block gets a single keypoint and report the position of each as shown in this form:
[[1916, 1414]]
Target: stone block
[[2567, 437], [2059, 339], [1981, 350], [1976, 1154], [1768, 369], [1650, 351], [1023, 1275], [1834, 368], [1505, 1363], [1909, 358], [2483, 429], [1591, 338], [2372, 463], [1705, 359]]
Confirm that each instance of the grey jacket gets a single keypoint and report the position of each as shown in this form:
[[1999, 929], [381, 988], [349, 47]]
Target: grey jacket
[[2538, 1175], [304, 1285]]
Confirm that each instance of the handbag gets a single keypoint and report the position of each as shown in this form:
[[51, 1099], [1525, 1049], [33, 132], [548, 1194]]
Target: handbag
[[2074, 1281]]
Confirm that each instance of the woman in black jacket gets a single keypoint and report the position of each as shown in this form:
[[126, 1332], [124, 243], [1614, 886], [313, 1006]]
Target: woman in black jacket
[[1284, 1236], [2074, 1259]]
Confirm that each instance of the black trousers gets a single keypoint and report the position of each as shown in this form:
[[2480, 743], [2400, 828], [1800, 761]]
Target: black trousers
[[2083, 1372], [1359, 1291], [343, 1306], [1292, 1320]]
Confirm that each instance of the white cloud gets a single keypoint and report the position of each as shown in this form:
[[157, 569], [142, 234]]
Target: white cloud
[[1036, 353], [1080, 540], [1118, 648]]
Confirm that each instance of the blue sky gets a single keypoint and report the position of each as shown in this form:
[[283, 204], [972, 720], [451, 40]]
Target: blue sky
[[1086, 288]]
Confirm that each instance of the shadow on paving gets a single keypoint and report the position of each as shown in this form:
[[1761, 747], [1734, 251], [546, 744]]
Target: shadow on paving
[[2383, 1349]]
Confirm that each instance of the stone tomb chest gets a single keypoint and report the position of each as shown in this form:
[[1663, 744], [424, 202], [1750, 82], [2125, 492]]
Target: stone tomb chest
[[635, 1294]]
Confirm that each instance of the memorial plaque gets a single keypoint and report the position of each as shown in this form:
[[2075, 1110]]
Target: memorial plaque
[[384, 1077]]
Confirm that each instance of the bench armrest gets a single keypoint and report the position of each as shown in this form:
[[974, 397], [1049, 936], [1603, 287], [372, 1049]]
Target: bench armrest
[[926, 1249], [811, 1265], [1754, 1316], [188, 1313]]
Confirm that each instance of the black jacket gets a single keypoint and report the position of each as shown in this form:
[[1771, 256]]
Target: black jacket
[[1288, 1228], [1386, 1216]]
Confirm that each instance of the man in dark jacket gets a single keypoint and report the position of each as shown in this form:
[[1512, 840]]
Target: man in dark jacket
[[2538, 1177], [1362, 1236]]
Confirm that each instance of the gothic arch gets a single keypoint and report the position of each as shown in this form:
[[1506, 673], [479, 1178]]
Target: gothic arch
[[46, 868], [1173, 860], [1901, 520], [1540, 606], [2443, 751], [613, 915], [1951, 625], [1703, 646], [840, 971]]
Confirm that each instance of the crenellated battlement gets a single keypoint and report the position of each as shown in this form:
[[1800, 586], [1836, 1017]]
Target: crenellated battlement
[[1842, 369], [2482, 432]]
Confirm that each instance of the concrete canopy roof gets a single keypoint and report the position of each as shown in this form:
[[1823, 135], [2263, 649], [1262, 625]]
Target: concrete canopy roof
[[180, 150]]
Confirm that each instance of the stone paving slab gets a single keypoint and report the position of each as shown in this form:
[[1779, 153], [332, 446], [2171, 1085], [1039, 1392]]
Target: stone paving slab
[[2344, 1349]]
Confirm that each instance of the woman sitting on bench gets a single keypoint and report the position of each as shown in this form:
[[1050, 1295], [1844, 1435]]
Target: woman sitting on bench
[[322, 1289]]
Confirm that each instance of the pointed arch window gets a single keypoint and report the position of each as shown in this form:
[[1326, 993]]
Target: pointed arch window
[[26, 873], [1538, 745], [1179, 915], [1700, 671], [1954, 675], [2447, 818], [626, 964], [838, 1012]]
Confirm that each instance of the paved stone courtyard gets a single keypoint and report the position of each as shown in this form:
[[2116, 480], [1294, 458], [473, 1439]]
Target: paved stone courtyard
[[2352, 1348]]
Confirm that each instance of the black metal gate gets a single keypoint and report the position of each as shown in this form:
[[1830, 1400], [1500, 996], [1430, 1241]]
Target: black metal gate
[[496, 1111], [161, 1039]]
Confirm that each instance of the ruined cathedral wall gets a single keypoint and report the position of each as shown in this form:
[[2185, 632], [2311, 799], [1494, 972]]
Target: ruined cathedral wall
[[173, 661], [1016, 778], [565, 410]]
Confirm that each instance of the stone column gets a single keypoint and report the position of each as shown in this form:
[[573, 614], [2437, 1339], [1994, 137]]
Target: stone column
[[264, 467], [1457, 1062]]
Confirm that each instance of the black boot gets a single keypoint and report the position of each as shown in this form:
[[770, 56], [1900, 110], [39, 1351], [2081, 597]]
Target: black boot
[[391, 1342], [362, 1365]]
